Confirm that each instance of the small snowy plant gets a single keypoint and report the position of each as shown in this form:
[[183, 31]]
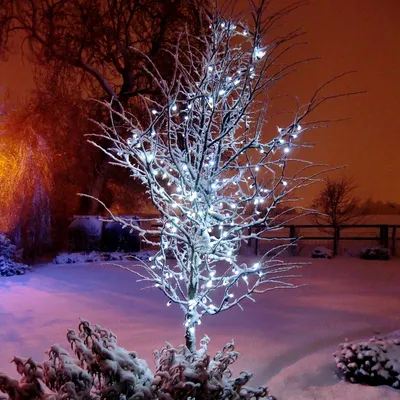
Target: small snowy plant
[[375, 362], [10, 258], [104, 370], [215, 171], [321, 252]]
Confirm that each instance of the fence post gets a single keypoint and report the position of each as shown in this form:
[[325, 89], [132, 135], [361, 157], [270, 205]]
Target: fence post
[[394, 228], [384, 236], [293, 238], [249, 240]]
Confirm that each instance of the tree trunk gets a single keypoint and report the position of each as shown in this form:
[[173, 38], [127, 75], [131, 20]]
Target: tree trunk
[[336, 238], [95, 188], [190, 336]]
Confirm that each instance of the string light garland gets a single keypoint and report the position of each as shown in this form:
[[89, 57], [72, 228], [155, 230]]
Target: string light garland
[[211, 175]]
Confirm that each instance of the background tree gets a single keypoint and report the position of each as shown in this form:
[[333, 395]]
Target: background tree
[[26, 184], [202, 154], [98, 49], [337, 206]]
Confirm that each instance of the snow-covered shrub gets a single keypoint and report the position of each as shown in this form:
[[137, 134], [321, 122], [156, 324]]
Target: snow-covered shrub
[[375, 253], [117, 238], [84, 234], [375, 362], [95, 256], [10, 258], [104, 370], [321, 252], [182, 375]]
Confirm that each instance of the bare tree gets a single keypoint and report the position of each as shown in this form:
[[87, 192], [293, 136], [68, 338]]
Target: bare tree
[[203, 157], [337, 206], [100, 48]]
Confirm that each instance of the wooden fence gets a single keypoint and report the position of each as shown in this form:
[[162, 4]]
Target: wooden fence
[[383, 235]]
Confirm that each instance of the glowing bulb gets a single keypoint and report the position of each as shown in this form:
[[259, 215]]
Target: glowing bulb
[[286, 149], [169, 303], [298, 127], [236, 81], [256, 265], [259, 53], [257, 168], [193, 196], [222, 92], [210, 68], [174, 107], [191, 329], [284, 183], [281, 140], [209, 283], [154, 112]]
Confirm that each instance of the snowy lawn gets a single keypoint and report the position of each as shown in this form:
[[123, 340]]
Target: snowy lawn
[[286, 339]]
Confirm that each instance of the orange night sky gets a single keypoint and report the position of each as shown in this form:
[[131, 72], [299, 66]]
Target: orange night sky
[[362, 35]]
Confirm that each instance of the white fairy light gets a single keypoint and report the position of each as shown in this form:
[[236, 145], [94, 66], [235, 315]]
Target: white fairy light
[[259, 53], [174, 107], [154, 112], [222, 92], [286, 149]]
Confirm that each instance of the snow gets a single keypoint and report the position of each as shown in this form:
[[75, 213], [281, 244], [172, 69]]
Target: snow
[[286, 338]]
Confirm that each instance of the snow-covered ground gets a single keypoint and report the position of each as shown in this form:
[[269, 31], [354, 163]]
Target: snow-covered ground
[[286, 339]]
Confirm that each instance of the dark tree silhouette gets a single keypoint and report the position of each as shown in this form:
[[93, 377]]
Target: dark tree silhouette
[[100, 48], [337, 205]]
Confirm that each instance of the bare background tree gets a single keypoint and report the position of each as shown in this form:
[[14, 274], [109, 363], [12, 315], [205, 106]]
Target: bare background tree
[[337, 205]]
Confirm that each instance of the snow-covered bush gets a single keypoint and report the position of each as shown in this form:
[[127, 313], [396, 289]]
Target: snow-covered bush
[[116, 238], [375, 362], [84, 234], [95, 256], [10, 258], [375, 253], [321, 252], [104, 370]]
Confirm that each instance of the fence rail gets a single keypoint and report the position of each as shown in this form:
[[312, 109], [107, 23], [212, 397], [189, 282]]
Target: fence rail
[[386, 235]]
